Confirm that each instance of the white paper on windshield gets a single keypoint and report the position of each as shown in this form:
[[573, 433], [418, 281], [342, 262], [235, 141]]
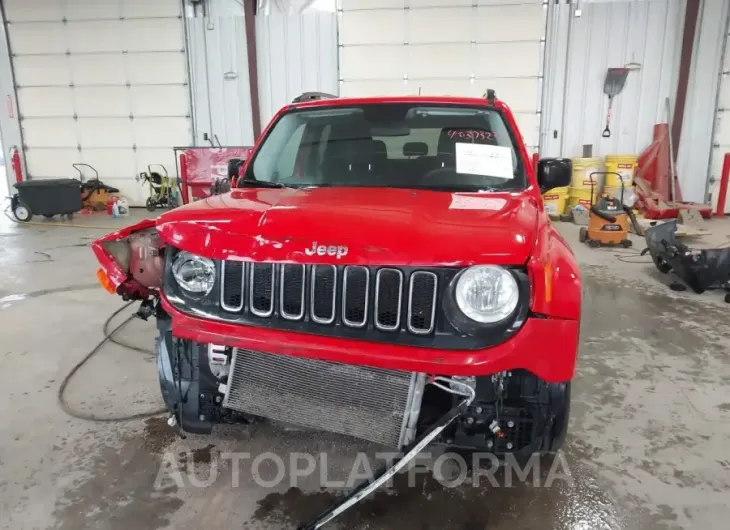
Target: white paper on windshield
[[487, 160]]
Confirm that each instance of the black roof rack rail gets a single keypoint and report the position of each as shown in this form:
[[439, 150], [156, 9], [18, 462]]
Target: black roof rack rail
[[313, 96]]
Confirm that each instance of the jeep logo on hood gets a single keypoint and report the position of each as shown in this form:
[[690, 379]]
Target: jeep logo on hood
[[325, 250]]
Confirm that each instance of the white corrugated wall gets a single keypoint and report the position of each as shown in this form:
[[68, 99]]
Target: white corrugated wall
[[296, 53], [699, 162], [219, 74], [614, 34]]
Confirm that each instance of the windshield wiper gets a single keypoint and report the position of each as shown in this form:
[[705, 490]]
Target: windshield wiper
[[249, 183]]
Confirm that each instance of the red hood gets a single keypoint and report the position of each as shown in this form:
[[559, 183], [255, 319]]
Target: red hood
[[377, 225]]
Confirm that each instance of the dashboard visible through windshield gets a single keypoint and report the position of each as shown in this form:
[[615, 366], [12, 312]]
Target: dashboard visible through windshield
[[439, 147]]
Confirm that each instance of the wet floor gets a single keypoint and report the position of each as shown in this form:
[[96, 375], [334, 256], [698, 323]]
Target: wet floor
[[647, 447]]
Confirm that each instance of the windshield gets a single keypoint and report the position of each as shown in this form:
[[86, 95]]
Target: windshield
[[437, 147]]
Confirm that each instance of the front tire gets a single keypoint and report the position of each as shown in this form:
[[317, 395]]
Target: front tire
[[151, 204], [583, 234], [22, 212]]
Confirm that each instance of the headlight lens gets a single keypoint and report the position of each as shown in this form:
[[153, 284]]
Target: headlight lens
[[487, 293], [195, 274]]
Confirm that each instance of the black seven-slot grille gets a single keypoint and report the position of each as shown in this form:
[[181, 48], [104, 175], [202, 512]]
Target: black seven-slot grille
[[356, 297]]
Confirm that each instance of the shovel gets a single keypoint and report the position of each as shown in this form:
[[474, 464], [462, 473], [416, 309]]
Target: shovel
[[614, 84]]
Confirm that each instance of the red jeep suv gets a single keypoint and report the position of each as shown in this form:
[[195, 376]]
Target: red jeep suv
[[377, 262]]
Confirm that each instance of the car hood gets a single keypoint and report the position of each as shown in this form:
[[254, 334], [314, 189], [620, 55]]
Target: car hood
[[357, 226]]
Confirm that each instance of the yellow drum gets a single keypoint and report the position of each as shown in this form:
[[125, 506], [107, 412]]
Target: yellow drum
[[582, 168], [624, 165], [582, 196], [555, 200]]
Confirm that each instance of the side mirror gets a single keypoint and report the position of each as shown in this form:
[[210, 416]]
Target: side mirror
[[234, 166], [554, 173]]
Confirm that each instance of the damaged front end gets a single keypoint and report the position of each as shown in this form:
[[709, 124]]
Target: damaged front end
[[132, 261], [700, 269]]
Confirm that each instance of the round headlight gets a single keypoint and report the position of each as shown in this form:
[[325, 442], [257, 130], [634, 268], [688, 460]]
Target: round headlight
[[195, 274], [486, 293]]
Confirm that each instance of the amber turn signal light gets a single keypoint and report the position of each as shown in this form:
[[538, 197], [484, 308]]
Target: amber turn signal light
[[105, 282]]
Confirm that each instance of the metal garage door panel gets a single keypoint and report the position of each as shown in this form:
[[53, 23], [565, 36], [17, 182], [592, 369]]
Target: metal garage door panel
[[445, 87], [45, 37], [105, 132], [356, 62], [158, 100], [41, 70], [358, 27], [371, 4], [52, 163], [722, 129], [510, 23], [375, 88], [49, 132], [154, 35], [145, 8], [161, 68], [717, 159], [102, 101], [25, 10], [148, 156], [96, 36], [102, 69], [516, 59], [454, 60], [529, 124], [161, 132], [521, 94], [46, 102], [450, 23], [93, 10], [440, 3], [114, 164], [724, 95]]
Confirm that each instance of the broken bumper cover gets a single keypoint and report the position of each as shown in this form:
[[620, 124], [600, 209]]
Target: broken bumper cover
[[545, 347], [699, 269]]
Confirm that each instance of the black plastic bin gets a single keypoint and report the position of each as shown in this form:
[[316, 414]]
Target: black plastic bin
[[46, 197]]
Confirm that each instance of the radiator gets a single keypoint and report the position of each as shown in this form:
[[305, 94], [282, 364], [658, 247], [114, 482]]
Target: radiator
[[370, 403]]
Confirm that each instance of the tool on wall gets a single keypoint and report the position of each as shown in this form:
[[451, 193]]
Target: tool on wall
[[612, 87]]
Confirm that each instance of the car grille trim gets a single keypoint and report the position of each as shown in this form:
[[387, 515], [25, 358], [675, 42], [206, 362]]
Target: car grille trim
[[378, 278], [355, 297], [431, 319], [349, 271], [267, 312], [282, 293], [319, 319], [224, 299]]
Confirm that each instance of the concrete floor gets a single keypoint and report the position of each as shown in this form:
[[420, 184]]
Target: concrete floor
[[647, 447]]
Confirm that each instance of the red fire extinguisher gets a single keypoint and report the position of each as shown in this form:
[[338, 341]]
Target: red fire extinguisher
[[15, 163]]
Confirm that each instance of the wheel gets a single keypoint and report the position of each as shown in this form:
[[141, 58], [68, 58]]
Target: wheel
[[583, 234], [593, 243], [151, 204], [626, 243], [22, 212], [727, 298]]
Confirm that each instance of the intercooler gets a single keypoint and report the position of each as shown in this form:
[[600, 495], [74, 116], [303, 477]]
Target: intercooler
[[374, 404]]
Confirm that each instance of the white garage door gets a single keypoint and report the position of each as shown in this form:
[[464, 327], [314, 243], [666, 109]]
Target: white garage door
[[100, 82], [446, 47]]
